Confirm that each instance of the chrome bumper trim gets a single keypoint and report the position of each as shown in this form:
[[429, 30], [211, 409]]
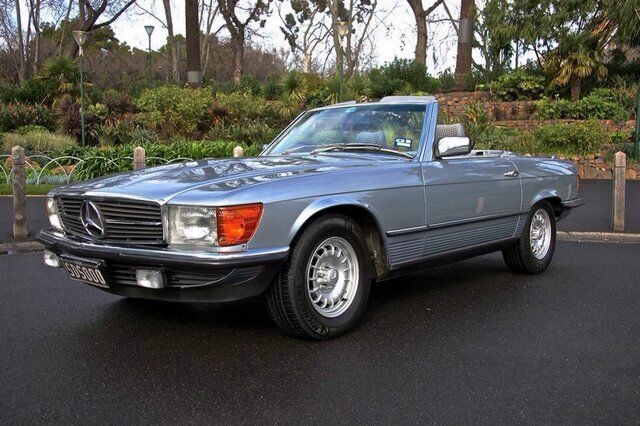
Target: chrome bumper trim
[[58, 242]]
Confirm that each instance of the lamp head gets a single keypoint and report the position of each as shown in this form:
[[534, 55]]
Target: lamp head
[[80, 37], [343, 28]]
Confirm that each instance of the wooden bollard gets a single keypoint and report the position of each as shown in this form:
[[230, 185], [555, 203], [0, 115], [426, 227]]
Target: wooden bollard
[[19, 193], [238, 151], [620, 165], [139, 159]]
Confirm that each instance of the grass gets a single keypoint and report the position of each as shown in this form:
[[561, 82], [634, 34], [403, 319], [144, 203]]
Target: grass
[[31, 189]]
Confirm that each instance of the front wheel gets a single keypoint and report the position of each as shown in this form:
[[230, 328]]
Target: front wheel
[[322, 289], [534, 250]]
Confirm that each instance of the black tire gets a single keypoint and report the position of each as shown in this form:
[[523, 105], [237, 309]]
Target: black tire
[[520, 257], [288, 300]]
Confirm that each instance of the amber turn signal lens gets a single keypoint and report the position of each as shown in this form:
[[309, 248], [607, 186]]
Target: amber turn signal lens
[[237, 224]]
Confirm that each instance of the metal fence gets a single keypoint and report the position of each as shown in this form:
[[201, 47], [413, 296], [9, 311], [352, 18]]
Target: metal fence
[[41, 167]]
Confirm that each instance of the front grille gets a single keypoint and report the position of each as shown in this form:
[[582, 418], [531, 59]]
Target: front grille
[[126, 221], [176, 276]]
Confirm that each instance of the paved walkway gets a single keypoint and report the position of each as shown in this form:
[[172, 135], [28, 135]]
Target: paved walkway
[[594, 216]]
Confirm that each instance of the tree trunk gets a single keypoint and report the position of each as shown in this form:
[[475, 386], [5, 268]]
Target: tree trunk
[[465, 38], [194, 72], [335, 17], [306, 61], [171, 43], [421, 27], [22, 69], [575, 88], [238, 58]]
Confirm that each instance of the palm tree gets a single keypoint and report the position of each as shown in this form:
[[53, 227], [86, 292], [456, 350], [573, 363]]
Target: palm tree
[[573, 62]]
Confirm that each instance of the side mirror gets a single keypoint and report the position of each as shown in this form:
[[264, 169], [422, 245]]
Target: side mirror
[[453, 145]]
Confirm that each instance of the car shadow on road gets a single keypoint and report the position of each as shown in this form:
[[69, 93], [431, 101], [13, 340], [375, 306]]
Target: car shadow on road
[[440, 293]]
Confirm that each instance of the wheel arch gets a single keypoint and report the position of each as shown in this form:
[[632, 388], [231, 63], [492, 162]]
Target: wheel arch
[[550, 196], [362, 213]]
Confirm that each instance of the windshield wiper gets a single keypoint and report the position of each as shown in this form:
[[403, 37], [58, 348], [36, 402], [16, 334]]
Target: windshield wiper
[[360, 147]]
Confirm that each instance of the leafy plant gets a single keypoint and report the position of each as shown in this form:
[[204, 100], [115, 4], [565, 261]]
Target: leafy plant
[[15, 115], [172, 110], [98, 162], [395, 76], [520, 84], [571, 139], [475, 120], [37, 141], [600, 104]]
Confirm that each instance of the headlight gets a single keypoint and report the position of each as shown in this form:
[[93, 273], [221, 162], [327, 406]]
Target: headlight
[[192, 225], [221, 226], [52, 212]]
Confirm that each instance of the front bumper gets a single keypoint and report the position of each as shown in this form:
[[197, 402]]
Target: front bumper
[[234, 276], [568, 206]]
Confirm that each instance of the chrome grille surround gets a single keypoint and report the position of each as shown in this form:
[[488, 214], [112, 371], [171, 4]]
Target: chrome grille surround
[[134, 222]]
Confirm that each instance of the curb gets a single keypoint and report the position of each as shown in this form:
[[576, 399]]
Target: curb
[[598, 237], [20, 247]]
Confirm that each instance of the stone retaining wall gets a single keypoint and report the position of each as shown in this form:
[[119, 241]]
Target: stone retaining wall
[[453, 104], [628, 125]]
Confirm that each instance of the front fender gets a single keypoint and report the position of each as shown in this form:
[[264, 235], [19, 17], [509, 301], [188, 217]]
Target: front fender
[[326, 203], [541, 195]]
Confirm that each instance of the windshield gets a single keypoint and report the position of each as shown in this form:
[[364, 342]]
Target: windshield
[[380, 128]]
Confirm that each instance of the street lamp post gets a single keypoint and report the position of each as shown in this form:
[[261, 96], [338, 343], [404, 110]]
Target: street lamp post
[[81, 37], [149, 30], [342, 28]]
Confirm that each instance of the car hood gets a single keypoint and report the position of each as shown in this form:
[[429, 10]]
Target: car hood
[[165, 182]]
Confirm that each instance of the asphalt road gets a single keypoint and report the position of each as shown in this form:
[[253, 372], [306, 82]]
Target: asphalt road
[[595, 216], [463, 343]]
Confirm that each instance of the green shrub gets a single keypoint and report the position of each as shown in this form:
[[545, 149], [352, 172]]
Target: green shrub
[[503, 138], [564, 140], [37, 141], [99, 162], [601, 104], [15, 115], [475, 120], [33, 91], [571, 139], [241, 116], [172, 110], [446, 81], [400, 75], [520, 84], [121, 132]]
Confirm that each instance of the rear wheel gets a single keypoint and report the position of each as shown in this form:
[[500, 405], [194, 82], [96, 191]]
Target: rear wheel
[[322, 289], [534, 250]]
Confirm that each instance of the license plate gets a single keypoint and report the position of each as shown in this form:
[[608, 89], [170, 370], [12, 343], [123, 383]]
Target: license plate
[[85, 270]]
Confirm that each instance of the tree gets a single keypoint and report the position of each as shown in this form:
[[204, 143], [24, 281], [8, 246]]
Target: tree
[[572, 62], [172, 46], [494, 38], [465, 38], [360, 15], [305, 29], [420, 15], [194, 72], [238, 18], [90, 11]]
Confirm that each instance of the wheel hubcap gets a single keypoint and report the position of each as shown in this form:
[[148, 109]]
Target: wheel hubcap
[[540, 234], [332, 277]]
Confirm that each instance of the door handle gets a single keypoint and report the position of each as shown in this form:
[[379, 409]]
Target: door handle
[[513, 173]]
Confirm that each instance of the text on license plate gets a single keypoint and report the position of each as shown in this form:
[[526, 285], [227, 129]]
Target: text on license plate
[[84, 271]]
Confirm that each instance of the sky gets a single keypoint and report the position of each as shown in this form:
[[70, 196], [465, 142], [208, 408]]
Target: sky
[[395, 37]]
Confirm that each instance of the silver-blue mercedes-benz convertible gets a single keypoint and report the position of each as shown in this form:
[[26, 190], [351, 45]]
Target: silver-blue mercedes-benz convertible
[[345, 195]]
